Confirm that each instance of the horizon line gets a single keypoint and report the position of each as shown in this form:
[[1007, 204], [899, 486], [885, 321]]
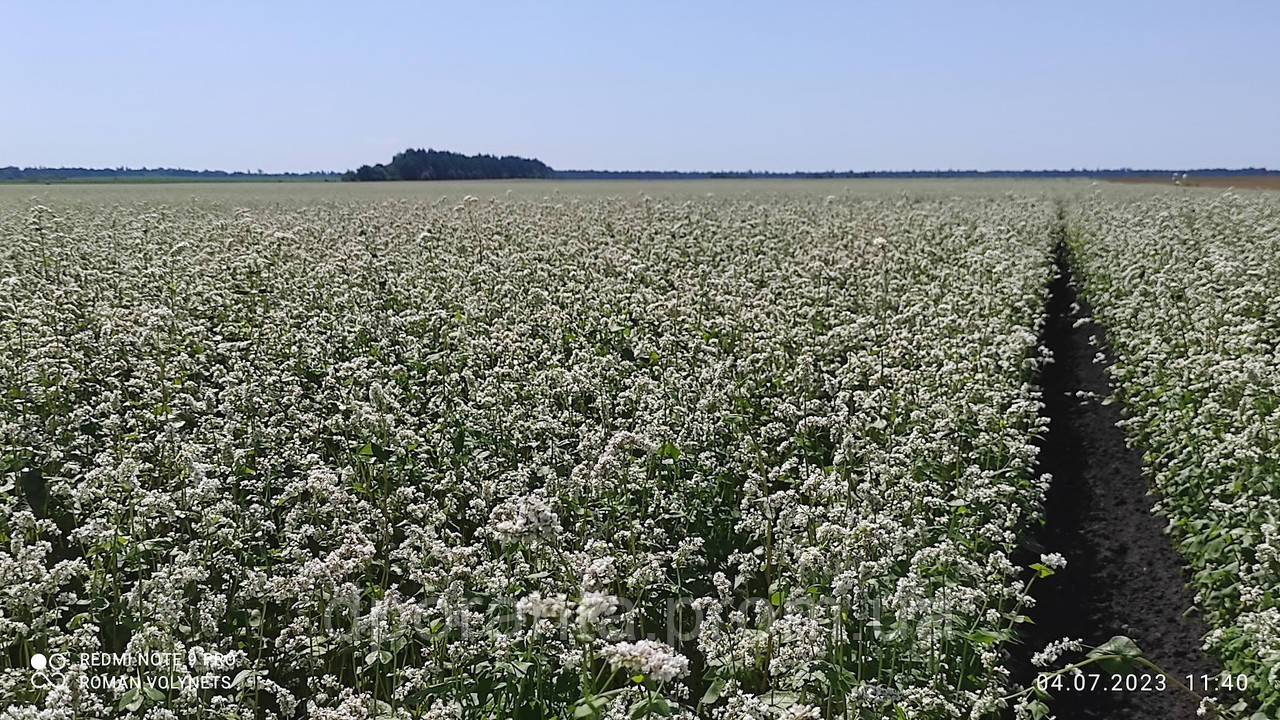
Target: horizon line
[[747, 172]]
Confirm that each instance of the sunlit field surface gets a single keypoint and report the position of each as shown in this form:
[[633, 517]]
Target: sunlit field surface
[[732, 449]]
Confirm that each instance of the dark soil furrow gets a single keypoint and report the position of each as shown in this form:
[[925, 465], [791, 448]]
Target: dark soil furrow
[[1123, 575]]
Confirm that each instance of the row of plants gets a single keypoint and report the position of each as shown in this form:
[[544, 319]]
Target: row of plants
[[1186, 287]]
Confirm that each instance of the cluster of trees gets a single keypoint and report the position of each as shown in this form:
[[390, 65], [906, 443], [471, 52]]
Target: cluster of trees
[[443, 165], [62, 174]]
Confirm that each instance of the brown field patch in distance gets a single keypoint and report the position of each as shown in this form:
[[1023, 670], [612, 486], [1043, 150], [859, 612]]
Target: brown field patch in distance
[[1267, 182]]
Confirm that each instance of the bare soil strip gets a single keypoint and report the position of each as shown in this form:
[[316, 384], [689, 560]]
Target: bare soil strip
[[1264, 182], [1123, 575]]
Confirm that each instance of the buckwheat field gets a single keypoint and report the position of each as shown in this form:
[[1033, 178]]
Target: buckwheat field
[[732, 451]]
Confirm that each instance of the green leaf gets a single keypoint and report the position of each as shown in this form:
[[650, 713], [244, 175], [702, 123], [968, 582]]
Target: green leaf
[[131, 700], [654, 706], [1042, 570], [1038, 710], [238, 680], [1116, 654], [593, 707], [713, 693], [1117, 645], [783, 700], [986, 637]]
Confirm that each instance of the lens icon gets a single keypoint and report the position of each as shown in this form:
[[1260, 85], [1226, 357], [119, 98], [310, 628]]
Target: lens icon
[[40, 679]]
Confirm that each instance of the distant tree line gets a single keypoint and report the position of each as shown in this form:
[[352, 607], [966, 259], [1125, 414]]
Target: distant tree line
[[721, 174], [47, 174], [443, 165]]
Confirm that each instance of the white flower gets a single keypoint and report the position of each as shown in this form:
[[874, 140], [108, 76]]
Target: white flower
[[1054, 650], [595, 605], [524, 517], [536, 606], [649, 657], [1054, 561]]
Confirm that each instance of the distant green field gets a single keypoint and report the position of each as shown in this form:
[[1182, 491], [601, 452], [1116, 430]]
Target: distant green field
[[257, 193]]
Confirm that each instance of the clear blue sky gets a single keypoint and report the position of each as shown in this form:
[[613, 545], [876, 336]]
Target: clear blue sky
[[643, 85]]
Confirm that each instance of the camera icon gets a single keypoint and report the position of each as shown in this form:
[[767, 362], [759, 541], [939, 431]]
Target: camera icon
[[47, 670]]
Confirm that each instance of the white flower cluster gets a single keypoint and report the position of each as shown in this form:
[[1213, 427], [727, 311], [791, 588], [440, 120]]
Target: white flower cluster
[[1054, 650], [649, 657], [524, 517], [1053, 561]]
